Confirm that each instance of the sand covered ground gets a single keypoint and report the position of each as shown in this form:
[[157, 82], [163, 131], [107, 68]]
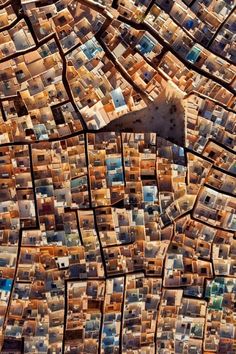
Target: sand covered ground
[[165, 116]]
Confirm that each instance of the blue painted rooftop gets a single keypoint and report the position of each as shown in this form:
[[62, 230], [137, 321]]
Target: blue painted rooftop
[[5, 284], [146, 45], [91, 48], [118, 98], [193, 54]]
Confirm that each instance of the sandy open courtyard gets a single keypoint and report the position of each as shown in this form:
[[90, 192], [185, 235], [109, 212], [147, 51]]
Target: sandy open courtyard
[[165, 116]]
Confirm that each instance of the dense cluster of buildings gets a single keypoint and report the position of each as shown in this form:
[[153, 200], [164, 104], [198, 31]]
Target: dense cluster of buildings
[[7, 16], [207, 120], [115, 61], [111, 241], [183, 45], [89, 211], [99, 90], [15, 40]]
